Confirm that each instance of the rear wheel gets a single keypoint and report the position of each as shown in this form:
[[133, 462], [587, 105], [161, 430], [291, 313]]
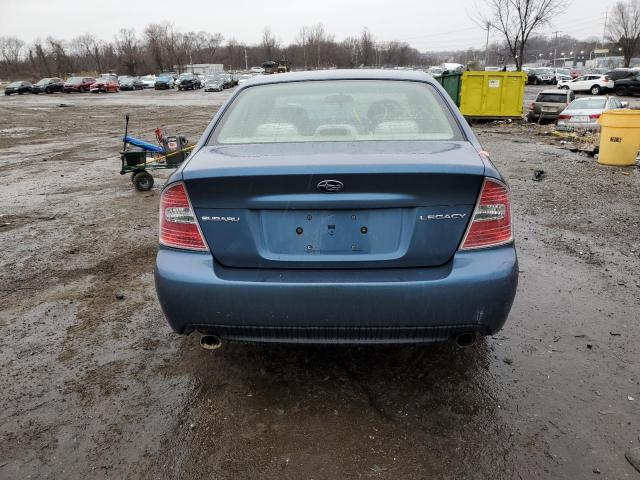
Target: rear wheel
[[143, 181], [48, 90], [564, 87], [595, 90], [622, 91]]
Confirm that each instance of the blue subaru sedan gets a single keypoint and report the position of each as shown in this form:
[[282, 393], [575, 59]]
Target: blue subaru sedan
[[337, 207]]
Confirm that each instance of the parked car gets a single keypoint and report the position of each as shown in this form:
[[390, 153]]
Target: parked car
[[130, 83], [561, 75], [435, 71], [594, 84], [622, 73], [583, 113], [48, 85], [549, 104], [78, 84], [164, 83], [18, 87], [337, 207], [245, 77], [575, 73], [189, 81], [105, 84], [213, 84], [257, 69], [628, 86], [541, 76], [228, 80], [149, 81]]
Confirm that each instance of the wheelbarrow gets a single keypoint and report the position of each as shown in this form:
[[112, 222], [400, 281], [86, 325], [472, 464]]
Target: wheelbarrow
[[139, 157]]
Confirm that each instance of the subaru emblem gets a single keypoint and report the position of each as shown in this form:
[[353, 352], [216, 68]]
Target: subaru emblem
[[330, 186]]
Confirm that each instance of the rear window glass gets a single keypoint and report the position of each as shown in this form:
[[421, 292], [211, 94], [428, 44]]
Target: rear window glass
[[587, 104], [337, 110], [552, 98]]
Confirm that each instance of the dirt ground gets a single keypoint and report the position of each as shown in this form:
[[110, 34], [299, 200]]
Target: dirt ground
[[94, 384]]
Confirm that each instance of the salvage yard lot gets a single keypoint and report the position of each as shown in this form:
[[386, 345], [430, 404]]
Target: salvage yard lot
[[95, 385]]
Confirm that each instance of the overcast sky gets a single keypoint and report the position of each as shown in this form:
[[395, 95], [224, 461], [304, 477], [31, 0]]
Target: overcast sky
[[426, 25]]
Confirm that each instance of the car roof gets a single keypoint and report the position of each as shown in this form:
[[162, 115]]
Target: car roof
[[586, 99], [554, 91], [355, 74]]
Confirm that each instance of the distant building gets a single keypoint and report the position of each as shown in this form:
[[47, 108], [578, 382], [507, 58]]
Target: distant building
[[611, 62], [201, 68]]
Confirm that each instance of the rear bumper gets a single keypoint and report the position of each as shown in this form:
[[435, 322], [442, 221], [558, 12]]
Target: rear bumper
[[575, 127], [473, 292], [546, 115]]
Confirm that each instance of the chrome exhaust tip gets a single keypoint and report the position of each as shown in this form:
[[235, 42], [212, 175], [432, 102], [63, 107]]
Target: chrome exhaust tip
[[466, 339], [210, 342]]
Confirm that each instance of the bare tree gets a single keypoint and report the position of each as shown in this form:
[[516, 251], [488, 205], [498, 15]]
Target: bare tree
[[270, 44], [90, 47], [156, 38], [518, 20], [366, 48], [127, 49], [302, 39], [11, 49], [64, 63], [208, 44], [623, 28]]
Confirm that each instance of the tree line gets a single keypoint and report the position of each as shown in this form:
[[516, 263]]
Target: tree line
[[161, 47]]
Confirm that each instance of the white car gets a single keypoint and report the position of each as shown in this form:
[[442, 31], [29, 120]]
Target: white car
[[593, 83], [245, 77], [257, 69], [149, 81], [435, 71], [583, 113], [562, 75]]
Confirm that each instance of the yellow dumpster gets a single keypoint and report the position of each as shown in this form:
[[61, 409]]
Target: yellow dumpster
[[492, 95], [619, 137]]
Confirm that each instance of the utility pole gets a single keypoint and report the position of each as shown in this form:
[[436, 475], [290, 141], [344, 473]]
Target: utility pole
[[604, 28], [246, 63], [486, 46], [555, 49]]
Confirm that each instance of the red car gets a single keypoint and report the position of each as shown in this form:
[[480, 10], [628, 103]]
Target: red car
[[106, 85], [78, 84]]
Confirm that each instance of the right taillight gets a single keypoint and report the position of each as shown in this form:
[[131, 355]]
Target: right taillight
[[178, 225], [491, 222]]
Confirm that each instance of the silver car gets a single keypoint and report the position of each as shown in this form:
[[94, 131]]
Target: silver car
[[583, 113]]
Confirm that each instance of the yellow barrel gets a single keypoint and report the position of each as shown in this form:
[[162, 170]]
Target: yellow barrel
[[619, 137]]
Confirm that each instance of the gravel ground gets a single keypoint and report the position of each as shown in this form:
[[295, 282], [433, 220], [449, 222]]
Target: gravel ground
[[95, 385]]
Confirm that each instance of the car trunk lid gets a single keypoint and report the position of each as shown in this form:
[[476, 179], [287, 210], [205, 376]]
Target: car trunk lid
[[402, 204]]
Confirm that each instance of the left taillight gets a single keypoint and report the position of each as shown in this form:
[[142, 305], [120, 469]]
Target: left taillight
[[178, 225], [491, 222]]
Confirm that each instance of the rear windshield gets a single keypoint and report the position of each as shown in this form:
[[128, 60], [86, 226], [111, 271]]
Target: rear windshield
[[552, 98], [337, 110], [587, 104]]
